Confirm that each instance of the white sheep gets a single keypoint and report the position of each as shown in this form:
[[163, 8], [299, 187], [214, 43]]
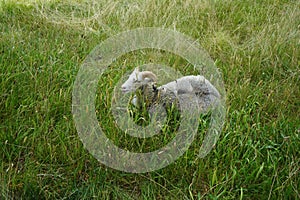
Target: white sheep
[[184, 89]]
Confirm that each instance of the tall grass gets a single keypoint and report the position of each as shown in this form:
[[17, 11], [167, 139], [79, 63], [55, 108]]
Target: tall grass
[[254, 43]]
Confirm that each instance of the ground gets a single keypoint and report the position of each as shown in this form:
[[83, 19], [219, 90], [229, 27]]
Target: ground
[[255, 45]]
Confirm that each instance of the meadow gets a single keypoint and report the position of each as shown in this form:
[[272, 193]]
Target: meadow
[[255, 45]]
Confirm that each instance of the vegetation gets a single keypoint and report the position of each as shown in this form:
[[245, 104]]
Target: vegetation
[[255, 44]]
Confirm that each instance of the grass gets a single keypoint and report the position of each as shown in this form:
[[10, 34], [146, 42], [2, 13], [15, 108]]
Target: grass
[[255, 44]]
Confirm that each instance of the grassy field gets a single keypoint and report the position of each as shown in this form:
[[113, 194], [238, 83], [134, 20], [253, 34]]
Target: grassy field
[[255, 44]]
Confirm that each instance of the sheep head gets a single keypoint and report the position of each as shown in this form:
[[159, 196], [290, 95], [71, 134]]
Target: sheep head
[[137, 78]]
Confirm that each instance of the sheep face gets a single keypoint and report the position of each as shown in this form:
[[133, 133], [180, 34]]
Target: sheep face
[[130, 84], [136, 79]]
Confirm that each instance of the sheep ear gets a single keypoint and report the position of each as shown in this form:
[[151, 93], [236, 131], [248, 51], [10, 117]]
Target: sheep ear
[[148, 79], [148, 76], [137, 69]]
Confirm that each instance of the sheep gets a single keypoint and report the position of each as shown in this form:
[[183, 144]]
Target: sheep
[[182, 89], [193, 95]]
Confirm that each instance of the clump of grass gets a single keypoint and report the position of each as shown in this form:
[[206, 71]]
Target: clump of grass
[[255, 45]]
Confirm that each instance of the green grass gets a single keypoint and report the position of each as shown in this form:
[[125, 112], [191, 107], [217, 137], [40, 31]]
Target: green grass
[[256, 46]]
